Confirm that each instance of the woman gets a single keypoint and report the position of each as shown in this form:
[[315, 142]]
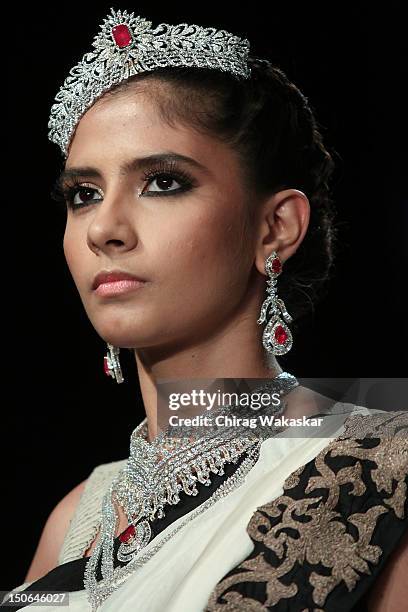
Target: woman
[[194, 171]]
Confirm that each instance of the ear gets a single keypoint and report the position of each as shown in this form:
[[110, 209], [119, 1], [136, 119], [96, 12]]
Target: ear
[[282, 224]]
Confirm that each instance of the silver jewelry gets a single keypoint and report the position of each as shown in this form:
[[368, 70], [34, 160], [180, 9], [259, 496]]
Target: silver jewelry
[[111, 363], [277, 337], [127, 45], [152, 478]]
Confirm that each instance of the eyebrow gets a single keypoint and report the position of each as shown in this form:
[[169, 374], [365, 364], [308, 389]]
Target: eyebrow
[[137, 163]]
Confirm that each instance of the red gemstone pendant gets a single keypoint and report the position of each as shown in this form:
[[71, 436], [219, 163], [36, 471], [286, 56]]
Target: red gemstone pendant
[[122, 35], [280, 335], [106, 366], [127, 534]]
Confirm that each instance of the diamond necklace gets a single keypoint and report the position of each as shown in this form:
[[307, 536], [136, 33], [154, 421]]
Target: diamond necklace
[[152, 478]]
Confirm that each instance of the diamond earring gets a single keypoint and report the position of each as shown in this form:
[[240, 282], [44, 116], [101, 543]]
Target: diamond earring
[[277, 338], [111, 363]]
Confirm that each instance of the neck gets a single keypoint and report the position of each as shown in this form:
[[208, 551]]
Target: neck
[[236, 352]]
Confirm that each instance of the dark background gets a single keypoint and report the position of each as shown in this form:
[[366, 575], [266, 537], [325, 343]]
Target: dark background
[[61, 415]]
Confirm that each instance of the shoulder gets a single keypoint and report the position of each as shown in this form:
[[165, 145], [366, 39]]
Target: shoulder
[[47, 554], [363, 422], [390, 590], [352, 496], [388, 452], [52, 536]]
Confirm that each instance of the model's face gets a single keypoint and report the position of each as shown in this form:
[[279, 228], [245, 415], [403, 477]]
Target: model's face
[[188, 245]]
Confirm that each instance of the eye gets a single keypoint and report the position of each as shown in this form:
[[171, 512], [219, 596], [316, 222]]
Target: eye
[[74, 194], [82, 195], [163, 182]]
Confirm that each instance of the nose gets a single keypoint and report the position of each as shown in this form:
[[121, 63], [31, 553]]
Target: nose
[[112, 227]]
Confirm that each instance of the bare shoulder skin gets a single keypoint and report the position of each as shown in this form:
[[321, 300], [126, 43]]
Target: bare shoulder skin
[[52, 537]]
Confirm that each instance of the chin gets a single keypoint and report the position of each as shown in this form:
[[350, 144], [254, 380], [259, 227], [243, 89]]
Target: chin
[[123, 341], [117, 330], [128, 339], [143, 332]]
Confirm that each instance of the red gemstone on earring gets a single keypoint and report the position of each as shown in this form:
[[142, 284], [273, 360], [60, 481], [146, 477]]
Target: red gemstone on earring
[[127, 534], [122, 35], [276, 265], [280, 335], [105, 366]]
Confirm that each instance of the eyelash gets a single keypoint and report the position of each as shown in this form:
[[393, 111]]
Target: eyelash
[[66, 193]]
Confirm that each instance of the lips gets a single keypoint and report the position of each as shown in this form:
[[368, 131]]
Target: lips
[[114, 276]]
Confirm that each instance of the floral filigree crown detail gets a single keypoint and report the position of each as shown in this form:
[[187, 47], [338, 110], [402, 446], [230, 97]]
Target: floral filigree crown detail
[[127, 45]]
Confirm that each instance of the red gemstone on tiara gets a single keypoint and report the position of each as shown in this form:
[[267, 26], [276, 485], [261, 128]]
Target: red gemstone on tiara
[[127, 534], [276, 265], [280, 335], [122, 35]]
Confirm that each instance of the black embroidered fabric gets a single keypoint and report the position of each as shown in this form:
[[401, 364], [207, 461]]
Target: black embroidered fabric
[[322, 544]]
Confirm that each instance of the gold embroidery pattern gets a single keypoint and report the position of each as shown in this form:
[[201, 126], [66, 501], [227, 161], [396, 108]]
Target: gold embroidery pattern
[[389, 424], [324, 535]]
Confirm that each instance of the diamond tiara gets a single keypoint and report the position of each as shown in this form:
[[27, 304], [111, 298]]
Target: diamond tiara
[[127, 45]]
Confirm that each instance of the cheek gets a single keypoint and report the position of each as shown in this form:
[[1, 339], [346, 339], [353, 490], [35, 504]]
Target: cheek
[[207, 255], [74, 254], [67, 246]]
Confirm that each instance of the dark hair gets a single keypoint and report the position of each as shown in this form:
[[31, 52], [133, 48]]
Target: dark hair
[[272, 128]]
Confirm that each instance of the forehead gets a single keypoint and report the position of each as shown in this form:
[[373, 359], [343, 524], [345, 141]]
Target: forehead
[[120, 126]]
